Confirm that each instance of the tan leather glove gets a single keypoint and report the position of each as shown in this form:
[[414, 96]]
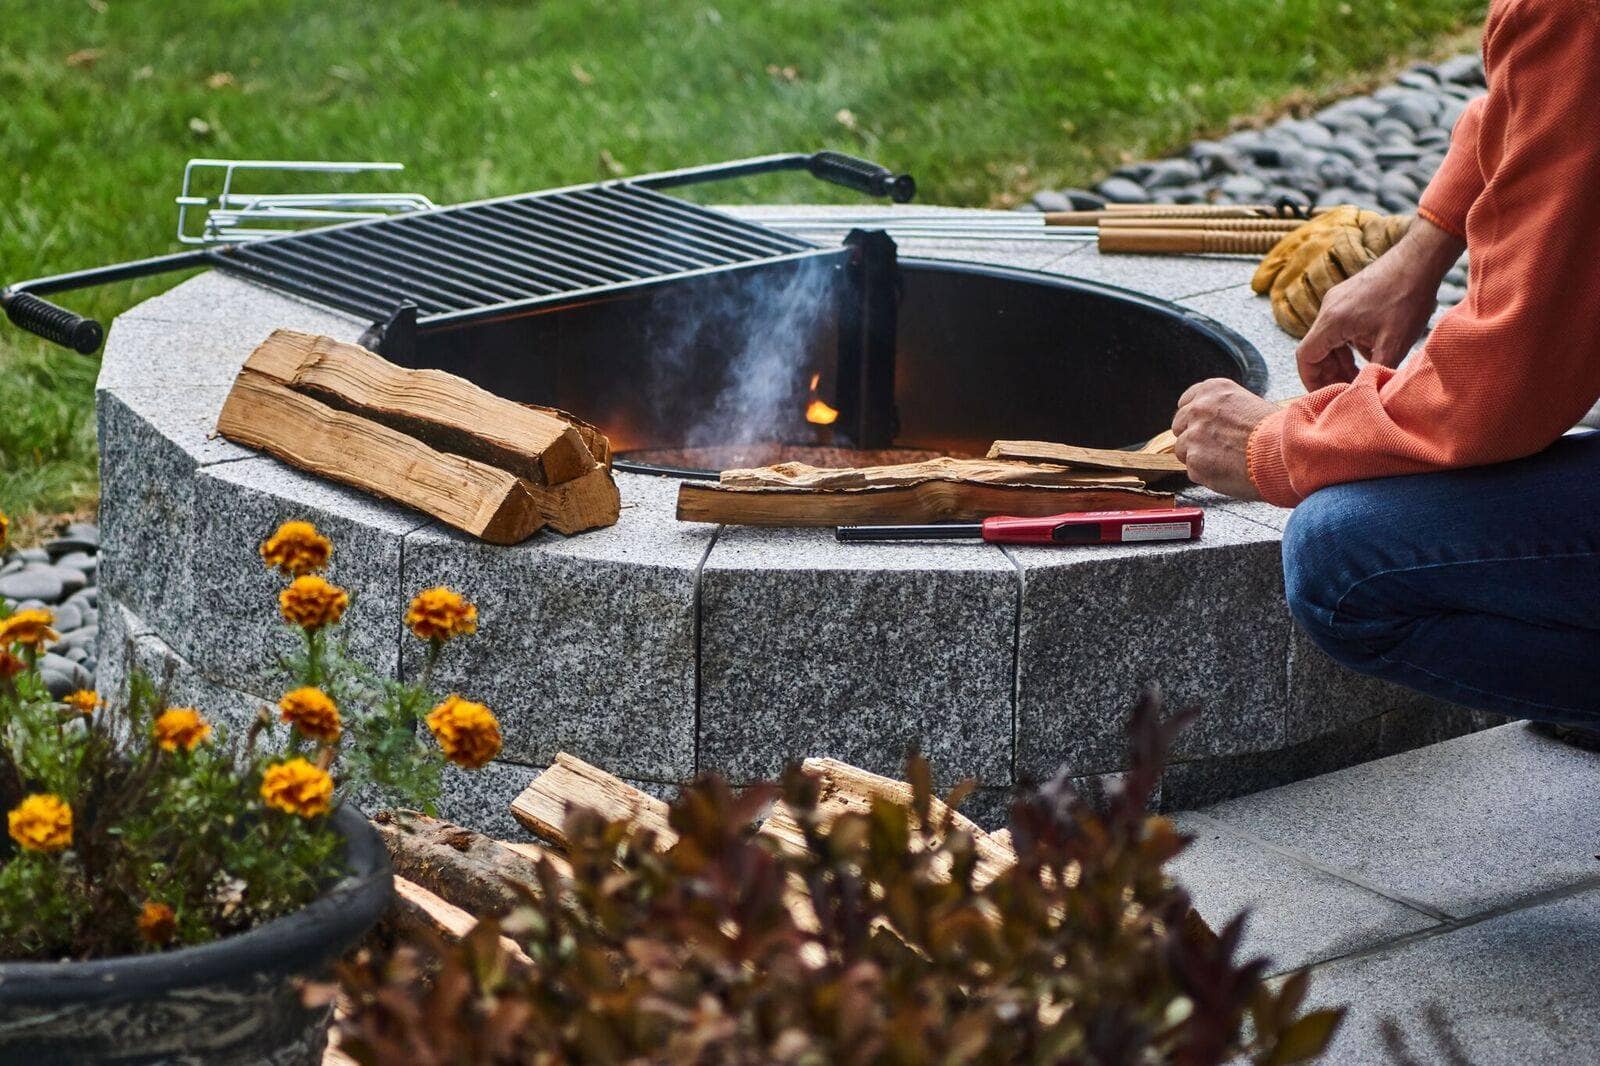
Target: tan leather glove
[[1315, 257]]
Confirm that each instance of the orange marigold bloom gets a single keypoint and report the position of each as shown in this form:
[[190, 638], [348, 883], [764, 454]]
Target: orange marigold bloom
[[85, 701], [297, 787], [441, 614], [10, 665], [30, 628], [296, 549], [468, 734], [181, 727], [312, 603], [313, 712], [157, 924], [42, 822]]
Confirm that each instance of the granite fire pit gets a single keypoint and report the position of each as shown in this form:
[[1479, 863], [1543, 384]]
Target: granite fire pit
[[660, 650]]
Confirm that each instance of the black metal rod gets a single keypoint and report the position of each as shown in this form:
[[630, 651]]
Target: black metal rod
[[668, 251], [495, 284], [943, 531], [695, 231], [558, 241], [289, 258], [841, 169], [508, 228], [347, 253], [650, 259], [464, 233], [504, 240], [775, 240]]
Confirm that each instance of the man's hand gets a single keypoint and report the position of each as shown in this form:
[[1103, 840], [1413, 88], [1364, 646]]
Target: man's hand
[[1213, 426], [1379, 312]]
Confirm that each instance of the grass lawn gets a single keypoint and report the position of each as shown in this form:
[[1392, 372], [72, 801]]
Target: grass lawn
[[983, 100]]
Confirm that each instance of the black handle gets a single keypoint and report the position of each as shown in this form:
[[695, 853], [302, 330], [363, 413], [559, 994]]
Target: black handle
[[55, 324], [862, 176]]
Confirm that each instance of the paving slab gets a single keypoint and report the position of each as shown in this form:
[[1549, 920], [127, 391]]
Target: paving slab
[[1205, 621], [858, 652], [1464, 826], [1298, 913], [585, 644], [1172, 277], [1511, 990]]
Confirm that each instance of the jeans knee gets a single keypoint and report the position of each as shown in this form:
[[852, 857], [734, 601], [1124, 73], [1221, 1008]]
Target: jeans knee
[[1324, 545]]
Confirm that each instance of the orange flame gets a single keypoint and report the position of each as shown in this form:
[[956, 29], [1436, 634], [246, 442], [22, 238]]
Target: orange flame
[[817, 412]]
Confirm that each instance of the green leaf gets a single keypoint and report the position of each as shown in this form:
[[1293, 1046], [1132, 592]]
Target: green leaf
[[1306, 1039]]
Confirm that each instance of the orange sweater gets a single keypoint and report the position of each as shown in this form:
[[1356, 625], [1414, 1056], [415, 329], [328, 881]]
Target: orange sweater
[[1513, 366]]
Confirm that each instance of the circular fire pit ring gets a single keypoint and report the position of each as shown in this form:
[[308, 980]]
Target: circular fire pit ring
[[658, 649]]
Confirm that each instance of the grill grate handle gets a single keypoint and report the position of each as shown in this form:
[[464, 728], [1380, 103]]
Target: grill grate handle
[[862, 176], [54, 324]]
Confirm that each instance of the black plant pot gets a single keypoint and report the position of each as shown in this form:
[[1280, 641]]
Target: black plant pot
[[230, 1003]]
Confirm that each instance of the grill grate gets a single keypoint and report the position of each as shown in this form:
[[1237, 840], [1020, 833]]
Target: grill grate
[[477, 260]]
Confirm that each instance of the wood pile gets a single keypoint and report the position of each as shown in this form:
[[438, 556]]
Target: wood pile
[[445, 875], [488, 466]]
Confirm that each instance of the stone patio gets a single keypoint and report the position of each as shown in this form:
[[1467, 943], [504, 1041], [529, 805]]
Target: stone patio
[[1452, 891], [659, 649]]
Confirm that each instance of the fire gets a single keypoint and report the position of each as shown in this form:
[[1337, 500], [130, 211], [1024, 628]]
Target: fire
[[817, 412]]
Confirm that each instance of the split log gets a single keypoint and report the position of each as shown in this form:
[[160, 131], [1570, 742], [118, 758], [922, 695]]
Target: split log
[[416, 910], [445, 412], [571, 782], [930, 501], [847, 789], [1140, 464], [473, 497], [991, 471], [466, 868]]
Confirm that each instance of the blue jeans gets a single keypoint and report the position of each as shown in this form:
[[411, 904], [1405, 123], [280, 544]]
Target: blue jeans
[[1479, 586]]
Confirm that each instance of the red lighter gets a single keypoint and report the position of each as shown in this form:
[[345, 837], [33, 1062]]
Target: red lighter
[[1080, 527]]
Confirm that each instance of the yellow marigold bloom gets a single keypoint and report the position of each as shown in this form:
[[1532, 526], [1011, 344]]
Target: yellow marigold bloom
[[157, 924], [41, 822], [441, 614], [311, 603], [30, 628], [297, 787], [5, 530], [468, 734], [85, 701], [181, 727], [296, 549], [313, 712]]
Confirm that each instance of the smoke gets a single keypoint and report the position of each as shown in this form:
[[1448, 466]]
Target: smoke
[[732, 361]]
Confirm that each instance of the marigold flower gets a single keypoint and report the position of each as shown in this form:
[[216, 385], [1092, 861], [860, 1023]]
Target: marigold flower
[[311, 603], [297, 787], [313, 712], [30, 628], [296, 549], [10, 665], [41, 822], [85, 701], [441, 614], [157, 924], [468, 734], [181, 727]]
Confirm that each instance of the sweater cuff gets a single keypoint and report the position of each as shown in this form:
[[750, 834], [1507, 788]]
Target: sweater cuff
[[1459, 180], [1264, 462]]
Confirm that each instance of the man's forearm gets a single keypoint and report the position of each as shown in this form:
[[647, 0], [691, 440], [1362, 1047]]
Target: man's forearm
[[1429, 251]]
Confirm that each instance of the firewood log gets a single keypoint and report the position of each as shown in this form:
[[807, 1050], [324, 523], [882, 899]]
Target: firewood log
[[418, 910], [466, 868], [1068, 456], [986, 471], [571, 782], [929, 501], [446, 412]]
